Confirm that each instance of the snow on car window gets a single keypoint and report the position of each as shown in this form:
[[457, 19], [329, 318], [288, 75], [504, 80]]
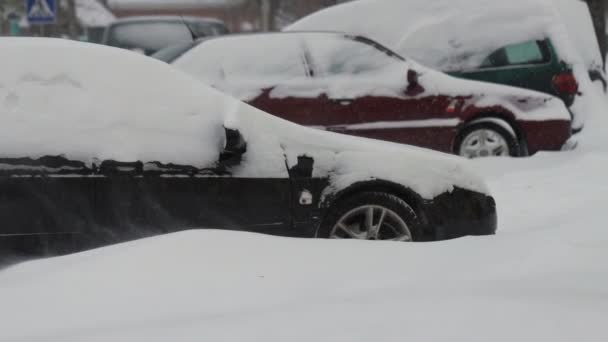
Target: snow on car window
[[246, 58], [89, 102], [338, 55]]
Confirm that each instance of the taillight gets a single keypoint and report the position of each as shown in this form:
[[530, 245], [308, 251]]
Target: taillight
[[565, 83]]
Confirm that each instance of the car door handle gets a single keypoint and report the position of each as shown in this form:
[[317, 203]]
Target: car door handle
[[343, 102]]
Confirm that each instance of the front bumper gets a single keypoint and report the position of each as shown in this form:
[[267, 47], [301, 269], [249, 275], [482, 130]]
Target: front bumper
[[460, 213]]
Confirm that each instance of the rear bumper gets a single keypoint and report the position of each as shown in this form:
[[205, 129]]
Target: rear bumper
[[549, 135], [460, 213]]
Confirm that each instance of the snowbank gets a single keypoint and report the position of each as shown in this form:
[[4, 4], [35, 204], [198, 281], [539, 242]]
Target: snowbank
[[224, 286], [446, 34]]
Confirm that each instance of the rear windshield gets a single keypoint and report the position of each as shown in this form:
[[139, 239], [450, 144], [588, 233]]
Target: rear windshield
[[152, 36]]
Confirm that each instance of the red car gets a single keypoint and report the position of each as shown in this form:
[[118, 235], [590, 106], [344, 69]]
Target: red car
[[353, 85]]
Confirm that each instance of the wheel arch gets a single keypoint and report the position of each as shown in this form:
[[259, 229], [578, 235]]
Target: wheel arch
[[413, 199], [507, 122]]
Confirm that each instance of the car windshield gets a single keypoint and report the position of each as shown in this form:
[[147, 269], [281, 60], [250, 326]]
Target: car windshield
[[152, 36]]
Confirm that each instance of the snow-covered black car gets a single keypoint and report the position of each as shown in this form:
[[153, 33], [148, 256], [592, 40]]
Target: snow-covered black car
[[100, 145]]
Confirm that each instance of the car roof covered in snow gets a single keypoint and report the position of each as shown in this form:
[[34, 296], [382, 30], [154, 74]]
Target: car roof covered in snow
[[93, 101], [451, 34]]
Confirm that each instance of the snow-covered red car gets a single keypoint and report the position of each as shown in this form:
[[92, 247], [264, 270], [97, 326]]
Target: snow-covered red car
[[353, 85], [133, 147], [544, 45]]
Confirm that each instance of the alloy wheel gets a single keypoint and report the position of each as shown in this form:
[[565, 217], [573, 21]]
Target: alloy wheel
[[484, 143], [371, 222]]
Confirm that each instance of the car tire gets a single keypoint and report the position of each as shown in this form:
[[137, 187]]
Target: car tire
[[391, 219], [486, 139]]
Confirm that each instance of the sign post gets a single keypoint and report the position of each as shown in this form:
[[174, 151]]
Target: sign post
[[41, 12]]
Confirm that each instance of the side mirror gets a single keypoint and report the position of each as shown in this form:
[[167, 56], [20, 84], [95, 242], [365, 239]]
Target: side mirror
[[413, 86], [234, 148]]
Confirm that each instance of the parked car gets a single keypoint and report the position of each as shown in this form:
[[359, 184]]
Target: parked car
[[533, 64], [353, 85], [134, 147], [543, 45], [148, 34]]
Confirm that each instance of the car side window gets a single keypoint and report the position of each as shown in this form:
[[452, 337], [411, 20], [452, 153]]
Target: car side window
[[243, 58], [339, 55], [529, 52]]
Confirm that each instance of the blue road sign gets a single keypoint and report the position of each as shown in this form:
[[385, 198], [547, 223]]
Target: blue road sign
[[41, 12]]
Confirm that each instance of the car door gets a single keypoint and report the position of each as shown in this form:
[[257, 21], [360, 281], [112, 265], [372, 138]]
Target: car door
[[153, 198], [374, 93], [50, 195], [117, 201]]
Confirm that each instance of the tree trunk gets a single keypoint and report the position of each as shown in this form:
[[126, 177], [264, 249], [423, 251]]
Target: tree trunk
[[598, 14]]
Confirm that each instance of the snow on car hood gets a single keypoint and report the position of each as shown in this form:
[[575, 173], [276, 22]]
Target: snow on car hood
[[345, 159], [445, 34], [92, 103]]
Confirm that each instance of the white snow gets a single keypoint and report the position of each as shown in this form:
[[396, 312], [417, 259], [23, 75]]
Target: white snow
[[115, 110], [452, 35]]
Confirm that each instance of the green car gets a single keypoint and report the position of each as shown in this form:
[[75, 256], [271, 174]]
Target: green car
[[533, 64]]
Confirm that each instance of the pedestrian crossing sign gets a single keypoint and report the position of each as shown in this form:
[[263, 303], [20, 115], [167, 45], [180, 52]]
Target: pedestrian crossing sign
[[41, 12]]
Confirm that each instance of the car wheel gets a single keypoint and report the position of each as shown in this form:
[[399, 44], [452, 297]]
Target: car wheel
[[371, 216], [486, 139]]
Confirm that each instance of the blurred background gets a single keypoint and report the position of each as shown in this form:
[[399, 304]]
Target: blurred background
[[87, 20]]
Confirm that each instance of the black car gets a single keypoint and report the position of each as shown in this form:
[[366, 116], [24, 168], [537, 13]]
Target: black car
[[134, 148]]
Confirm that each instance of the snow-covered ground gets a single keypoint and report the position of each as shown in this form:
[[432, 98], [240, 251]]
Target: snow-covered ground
[[544, 277]]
